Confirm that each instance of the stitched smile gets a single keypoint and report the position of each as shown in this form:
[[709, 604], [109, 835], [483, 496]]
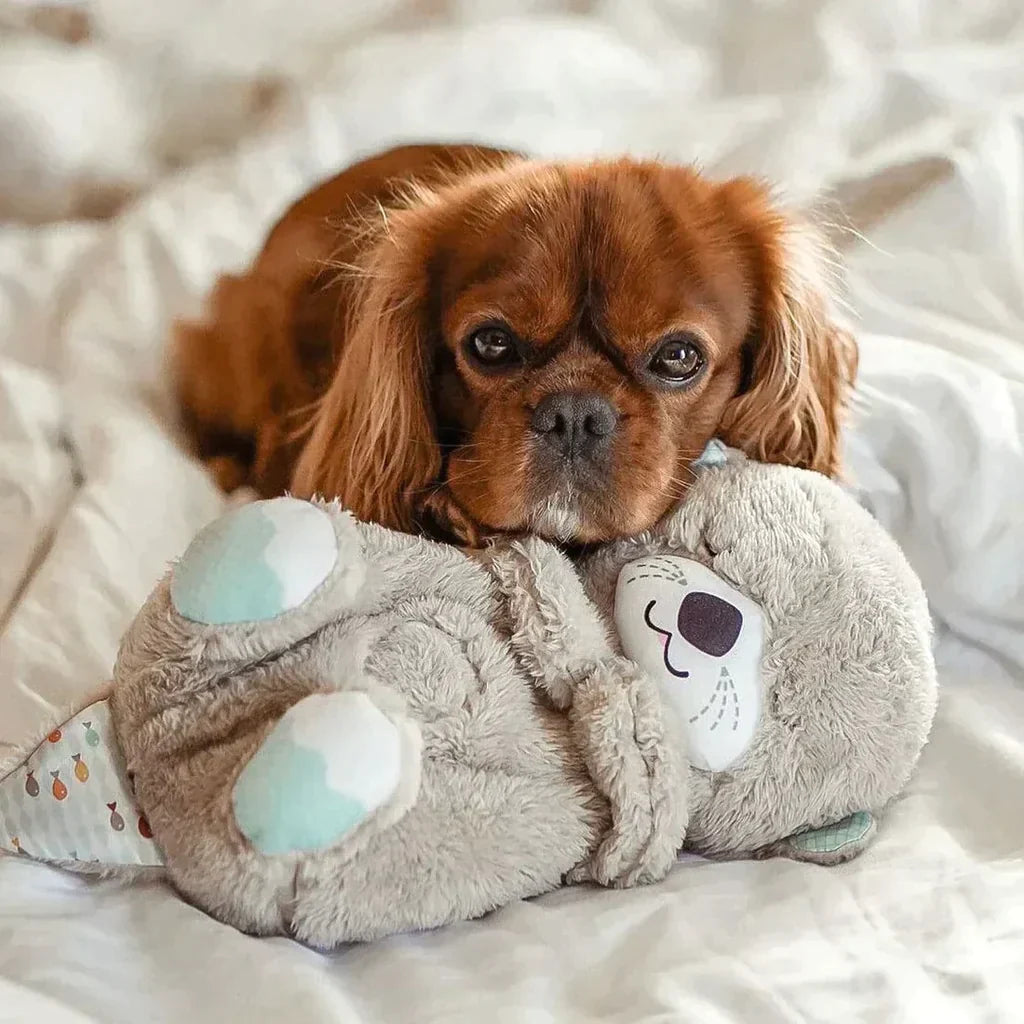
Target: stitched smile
[[667, 634]]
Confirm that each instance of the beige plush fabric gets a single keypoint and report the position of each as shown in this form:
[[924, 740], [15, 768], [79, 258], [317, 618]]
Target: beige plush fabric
[[541, 754]]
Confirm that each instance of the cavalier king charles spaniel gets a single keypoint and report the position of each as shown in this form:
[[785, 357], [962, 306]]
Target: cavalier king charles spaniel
[[463, 342]]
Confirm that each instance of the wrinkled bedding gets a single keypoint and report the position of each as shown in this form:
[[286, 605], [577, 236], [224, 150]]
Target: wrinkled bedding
[[906, 122]]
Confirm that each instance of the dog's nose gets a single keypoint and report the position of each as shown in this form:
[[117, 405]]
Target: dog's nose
[[575, 423]]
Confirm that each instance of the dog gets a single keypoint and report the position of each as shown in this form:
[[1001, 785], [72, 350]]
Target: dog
[[465, 342]]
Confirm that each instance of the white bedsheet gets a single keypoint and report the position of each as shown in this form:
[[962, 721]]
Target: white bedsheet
[[912, 114]]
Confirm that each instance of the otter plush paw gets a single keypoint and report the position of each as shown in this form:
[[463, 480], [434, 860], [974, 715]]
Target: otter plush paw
[[264, 576], [834, 843], [333, 761], [255, 563]]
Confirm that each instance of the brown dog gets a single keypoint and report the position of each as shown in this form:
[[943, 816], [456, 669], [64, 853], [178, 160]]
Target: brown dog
[[463, 341]]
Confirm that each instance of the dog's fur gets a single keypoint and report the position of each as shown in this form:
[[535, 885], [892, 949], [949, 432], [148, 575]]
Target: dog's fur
[[341, 363]]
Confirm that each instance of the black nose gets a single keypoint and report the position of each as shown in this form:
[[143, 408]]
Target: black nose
[[575, 423]]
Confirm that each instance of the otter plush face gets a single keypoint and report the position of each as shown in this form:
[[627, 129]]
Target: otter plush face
[[701, 639]]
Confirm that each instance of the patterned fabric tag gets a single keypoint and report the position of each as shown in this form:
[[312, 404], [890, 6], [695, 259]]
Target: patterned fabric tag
[[71, 800]]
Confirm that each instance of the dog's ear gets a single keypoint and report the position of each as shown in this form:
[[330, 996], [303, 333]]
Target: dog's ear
[[373, 443], [801, 361]]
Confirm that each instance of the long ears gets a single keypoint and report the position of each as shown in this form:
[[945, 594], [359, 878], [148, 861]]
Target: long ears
[[373, 444], [802, 361]]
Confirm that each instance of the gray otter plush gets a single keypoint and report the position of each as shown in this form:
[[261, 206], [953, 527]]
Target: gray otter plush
[[337, 732]]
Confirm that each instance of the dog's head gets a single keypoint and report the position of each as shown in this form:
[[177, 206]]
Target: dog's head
[[547, 347]]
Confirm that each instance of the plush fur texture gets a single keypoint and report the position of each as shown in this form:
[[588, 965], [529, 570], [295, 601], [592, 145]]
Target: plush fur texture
[[344, 363], [847, 669], [503, 805], [545, 755]]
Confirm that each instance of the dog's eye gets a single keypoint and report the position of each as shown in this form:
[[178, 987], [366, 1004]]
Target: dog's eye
[[677, 360], [492, 345]]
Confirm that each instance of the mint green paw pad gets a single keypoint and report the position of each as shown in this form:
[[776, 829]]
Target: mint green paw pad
[[329, 763], [255, 563], [836, 842]]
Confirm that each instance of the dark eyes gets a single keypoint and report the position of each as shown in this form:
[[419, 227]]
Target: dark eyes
[[677, 360], [493, 346]]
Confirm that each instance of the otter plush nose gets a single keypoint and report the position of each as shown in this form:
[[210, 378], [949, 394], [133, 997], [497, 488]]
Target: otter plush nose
[[575, 424]]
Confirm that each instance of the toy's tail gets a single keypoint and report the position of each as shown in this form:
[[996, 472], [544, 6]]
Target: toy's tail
[[69, 801]]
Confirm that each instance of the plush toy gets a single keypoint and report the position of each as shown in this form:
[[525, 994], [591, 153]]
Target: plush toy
[[329, 730]]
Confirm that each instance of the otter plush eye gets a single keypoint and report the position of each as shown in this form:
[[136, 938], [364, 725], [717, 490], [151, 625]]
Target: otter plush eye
[[677, 360], [493, 346]]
